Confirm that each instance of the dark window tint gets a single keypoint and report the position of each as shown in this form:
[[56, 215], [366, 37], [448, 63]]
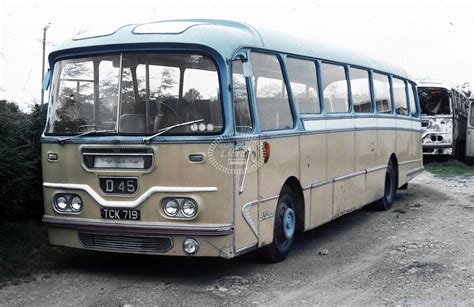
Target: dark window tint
[[382, 93], [273, 106], [472, 114], [360, 88], [335, 88], [411, 96], [302, 75], [433, 101], [400, 96], [242, 116]]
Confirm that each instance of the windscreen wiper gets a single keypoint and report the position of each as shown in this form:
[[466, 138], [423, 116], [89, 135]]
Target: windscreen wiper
[[147, 139], [93, 131]]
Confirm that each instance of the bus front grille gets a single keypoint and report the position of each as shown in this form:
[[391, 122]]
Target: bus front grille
[[132, 243]]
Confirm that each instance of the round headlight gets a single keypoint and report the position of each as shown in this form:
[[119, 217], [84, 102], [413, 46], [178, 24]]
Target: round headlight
[[190, 246], [188, 208], [61, 202], [76, 203], [171, 207]]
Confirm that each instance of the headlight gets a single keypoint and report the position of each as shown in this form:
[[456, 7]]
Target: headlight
[[184, 208], [171, 207], [61, 202], [67, 203], [188, 208], [190, 246], [76, 204]]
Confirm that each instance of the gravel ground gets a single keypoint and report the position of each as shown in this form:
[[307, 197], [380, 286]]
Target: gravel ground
[[420, 252]]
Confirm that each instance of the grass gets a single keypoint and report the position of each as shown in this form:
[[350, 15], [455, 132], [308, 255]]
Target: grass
[[450, 168], [25, 251]]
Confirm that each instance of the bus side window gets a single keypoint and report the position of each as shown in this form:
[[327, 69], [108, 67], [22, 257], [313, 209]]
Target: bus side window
[[242, 115], [411, 96], [472, 114], [400, 96], [335, 92], [382, 93], [273, 106], [304, 85], [360, 88]]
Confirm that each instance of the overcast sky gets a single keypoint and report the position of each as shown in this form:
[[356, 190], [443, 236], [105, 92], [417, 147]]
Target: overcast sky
[[429, 38]]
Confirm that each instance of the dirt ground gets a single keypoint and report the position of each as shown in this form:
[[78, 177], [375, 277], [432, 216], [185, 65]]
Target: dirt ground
[[420, 252]]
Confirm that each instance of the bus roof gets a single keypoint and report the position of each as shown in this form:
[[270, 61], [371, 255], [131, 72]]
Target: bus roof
[[225, 37]]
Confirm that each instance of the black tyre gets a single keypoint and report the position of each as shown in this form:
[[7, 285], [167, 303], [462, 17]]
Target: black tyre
[[284, 229], [390, 188]]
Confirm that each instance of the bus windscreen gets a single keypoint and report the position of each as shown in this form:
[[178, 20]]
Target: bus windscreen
[[434, 101], [136, 94]]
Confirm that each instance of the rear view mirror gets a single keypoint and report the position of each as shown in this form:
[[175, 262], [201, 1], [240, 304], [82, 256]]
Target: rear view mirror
[[46, 80]]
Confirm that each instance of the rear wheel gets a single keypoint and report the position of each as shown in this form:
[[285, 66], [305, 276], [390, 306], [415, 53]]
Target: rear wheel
[[390, 188], [284, 229]]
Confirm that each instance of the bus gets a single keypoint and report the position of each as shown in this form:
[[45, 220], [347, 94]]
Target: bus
[[470, 130], [212, 138], [444, 111]]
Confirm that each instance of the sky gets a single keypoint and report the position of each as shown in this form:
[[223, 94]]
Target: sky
[[430, 39]]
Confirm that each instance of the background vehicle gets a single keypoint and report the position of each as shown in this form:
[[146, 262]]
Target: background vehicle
[[470, 130], [443, 118], [210, 138]]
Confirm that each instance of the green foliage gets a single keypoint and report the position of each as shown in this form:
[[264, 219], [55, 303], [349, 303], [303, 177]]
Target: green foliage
[[20, 160], [30, 240], [450, 169]]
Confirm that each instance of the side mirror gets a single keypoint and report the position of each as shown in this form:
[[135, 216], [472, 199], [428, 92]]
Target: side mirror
[[247, 68], [46, 80]]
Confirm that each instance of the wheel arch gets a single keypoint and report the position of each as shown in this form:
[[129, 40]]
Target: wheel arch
[[297, 191], [394, 160]]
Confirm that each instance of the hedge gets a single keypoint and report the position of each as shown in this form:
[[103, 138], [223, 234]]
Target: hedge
[[20, 160]]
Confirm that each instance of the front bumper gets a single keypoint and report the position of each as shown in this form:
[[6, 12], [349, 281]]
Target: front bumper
[[215, 240]]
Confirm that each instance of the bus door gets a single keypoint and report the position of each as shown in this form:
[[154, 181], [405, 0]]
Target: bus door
[[470, 132], [244, 164]]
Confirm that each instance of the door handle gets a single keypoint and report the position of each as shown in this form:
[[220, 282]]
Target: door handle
[[242, 183]]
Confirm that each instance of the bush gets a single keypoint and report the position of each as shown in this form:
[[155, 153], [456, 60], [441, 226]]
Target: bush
[[20, 160]]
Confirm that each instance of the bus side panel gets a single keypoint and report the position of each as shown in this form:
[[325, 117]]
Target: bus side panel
[[272, 175], [366, 159], [340, 157], [416, 150], [386, 145], [403, 151], [313, 172]]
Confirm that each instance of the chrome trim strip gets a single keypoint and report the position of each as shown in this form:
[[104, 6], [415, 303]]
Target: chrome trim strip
[[350, 175], [127, 204], [377, 168], [320, 184], [248, 218], [415, 171], [410, 161], [137, 227], [115, 154], [245, 249]]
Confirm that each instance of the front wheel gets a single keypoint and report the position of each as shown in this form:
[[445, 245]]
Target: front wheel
[[390, 189], [284, 229]]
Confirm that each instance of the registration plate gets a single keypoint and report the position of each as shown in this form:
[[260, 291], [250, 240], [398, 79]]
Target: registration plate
[[120, 214], [118, 185]]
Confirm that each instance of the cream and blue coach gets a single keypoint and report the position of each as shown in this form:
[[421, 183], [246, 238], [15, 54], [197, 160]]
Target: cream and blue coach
[[212, 138]]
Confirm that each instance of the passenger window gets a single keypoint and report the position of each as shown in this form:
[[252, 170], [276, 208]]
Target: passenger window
[[400, 96], [336, 96], [242, 116], [360, 88], [273, 106], [304, 85], [472, 114], [382, 93], [411, 96]]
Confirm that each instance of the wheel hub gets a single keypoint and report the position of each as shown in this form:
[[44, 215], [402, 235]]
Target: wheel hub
[[289, 223]]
